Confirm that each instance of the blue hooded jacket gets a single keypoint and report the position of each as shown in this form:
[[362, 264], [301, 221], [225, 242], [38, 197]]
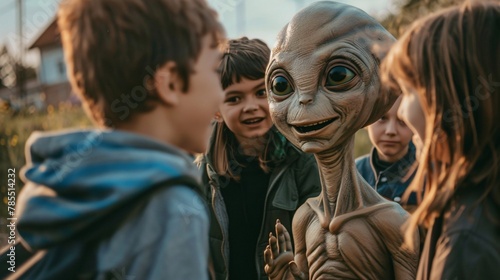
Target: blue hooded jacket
[[98, 204]]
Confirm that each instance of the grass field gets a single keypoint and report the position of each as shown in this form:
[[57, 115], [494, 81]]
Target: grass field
[[15, 130]]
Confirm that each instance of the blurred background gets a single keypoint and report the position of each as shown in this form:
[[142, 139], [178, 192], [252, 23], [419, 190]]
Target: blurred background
[[35, 93]]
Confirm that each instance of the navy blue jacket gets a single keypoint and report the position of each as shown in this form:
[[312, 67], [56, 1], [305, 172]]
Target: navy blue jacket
[[392, 182]]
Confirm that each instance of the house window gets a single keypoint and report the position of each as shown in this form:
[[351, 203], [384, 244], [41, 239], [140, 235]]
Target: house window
[[61, 68]]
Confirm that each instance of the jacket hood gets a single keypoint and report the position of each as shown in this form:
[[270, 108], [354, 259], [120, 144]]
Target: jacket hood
[[78, 179]]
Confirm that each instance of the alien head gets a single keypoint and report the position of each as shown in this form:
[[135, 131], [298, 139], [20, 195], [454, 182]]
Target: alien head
[[323, 78]]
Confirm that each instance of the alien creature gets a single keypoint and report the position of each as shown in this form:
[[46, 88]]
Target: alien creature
[[323, 84]]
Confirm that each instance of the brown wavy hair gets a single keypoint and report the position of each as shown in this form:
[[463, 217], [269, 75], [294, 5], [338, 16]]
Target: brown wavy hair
[[114, 47], [451, 59]]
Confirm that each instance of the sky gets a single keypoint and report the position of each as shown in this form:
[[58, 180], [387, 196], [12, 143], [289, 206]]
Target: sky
[[261, 19]]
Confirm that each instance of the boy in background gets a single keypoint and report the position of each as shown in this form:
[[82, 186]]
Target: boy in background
[[391, 164], [123, 200]]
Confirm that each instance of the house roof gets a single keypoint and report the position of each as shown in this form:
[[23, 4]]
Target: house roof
[[49, 37]]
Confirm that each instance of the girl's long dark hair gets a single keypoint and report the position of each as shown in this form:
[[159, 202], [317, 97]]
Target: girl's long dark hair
[[451, 59], [226, 149]]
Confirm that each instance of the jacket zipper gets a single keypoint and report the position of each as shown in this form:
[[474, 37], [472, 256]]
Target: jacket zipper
[[223, 253], [271, 186]]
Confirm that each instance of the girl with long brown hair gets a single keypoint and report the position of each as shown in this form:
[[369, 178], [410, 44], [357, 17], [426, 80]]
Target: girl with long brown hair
[[448, 68]]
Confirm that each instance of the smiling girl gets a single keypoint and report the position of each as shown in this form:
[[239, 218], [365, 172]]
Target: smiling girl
[[252, 174]]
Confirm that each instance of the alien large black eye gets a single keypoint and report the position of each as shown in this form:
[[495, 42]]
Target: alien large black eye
[[339, 75], [281, 86]]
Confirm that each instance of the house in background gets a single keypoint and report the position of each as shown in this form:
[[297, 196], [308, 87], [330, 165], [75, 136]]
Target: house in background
[[54, 84]]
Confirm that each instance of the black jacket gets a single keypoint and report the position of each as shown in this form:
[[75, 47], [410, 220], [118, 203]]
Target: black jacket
[[291, 184], [465, 244]]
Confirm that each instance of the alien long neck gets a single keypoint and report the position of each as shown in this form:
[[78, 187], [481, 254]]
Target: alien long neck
[[340, 190]]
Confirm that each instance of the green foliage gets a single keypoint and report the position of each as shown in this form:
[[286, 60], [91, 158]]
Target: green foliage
[[362, 144], [408, 11]]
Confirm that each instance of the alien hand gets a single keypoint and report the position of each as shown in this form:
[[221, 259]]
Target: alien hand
[[278, 257]]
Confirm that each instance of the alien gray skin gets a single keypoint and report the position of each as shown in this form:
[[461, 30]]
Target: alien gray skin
[[323, 84]]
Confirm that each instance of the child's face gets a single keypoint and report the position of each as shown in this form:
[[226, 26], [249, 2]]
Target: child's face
[[410, 111], [390, 135], [201, 102], [245, 109]]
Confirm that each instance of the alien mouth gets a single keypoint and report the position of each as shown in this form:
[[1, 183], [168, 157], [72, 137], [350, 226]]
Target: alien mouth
[[313, 126]]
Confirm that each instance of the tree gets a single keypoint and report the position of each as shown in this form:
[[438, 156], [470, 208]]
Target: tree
[[8, 69], [411, 10]]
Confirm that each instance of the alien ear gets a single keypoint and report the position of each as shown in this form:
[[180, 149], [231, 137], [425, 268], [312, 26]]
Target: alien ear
[[382, 104], [381, 46], [382, 43]]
